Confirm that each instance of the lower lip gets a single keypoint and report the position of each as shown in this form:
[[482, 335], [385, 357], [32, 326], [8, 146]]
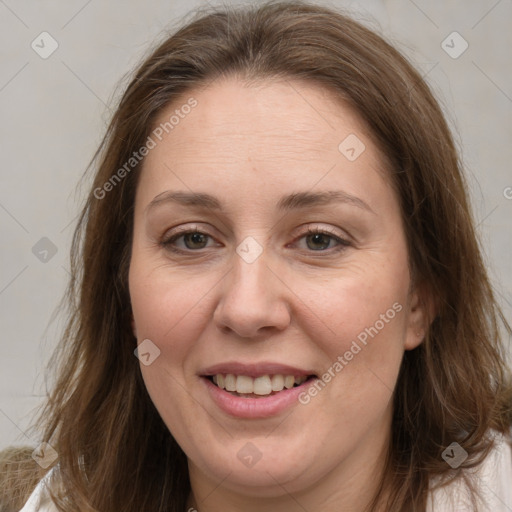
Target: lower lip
[[255, 407]]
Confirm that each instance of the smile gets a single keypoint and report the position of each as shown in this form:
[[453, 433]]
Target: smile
[[253, 391], [249, 387]]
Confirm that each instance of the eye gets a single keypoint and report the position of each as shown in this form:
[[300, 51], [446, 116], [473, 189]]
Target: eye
[[192, 239], [319, 240]]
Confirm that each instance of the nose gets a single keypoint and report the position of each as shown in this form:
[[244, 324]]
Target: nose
[[254, 300]]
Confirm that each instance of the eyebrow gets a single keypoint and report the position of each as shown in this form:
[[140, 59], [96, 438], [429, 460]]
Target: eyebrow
[[294, 201]]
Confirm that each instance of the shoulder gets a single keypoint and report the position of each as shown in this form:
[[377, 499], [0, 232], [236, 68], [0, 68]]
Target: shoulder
[[19, 475], [20, 478], [39, 500], [492, 478]]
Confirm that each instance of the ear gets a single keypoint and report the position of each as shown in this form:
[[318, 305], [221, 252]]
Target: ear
[[421, 313]]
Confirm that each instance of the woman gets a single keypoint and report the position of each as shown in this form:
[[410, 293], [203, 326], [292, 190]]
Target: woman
[[279, 231]]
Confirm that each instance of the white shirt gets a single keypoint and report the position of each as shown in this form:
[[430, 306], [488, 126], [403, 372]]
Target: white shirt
[[39, 501], [494, 478]]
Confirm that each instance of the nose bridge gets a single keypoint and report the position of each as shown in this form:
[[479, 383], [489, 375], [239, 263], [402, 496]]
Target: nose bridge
[[253, 298]]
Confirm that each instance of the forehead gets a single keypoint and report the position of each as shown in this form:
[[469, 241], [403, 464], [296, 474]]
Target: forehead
[[263, 136], [281, 115]]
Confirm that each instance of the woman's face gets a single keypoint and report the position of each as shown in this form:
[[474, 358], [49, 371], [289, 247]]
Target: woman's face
[[269, 252]]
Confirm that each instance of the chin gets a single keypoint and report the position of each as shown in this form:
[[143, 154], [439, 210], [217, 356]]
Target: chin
[[264, 478]]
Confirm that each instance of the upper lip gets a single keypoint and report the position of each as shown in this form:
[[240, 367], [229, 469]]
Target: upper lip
[[254, 369]]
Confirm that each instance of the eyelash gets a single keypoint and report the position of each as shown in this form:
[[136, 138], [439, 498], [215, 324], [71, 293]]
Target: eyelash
[[168, 242]]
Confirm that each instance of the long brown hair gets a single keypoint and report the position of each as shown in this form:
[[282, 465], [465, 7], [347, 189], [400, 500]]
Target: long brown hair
[[115, 452]]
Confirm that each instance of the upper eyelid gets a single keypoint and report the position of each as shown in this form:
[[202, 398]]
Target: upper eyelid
[[315, 229]]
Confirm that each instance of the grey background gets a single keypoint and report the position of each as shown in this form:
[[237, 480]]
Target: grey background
[[54, 112]]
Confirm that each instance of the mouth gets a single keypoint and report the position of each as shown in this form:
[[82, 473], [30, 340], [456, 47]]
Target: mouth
[[262, 386], [255, 390]]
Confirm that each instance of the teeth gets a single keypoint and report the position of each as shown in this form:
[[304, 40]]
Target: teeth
[[244, 384], [289, 381], [262, 386], [230, 382], [277, 382]]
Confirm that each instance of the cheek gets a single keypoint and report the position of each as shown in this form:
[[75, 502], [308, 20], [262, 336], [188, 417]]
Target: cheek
[[167, 311], [362, 349], [361, 322], [161, 297]]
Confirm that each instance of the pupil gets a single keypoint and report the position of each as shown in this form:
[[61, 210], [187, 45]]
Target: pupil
[[195, 238], [317, 237]]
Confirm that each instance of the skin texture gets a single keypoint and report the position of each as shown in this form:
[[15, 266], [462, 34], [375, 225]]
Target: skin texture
[[302, 302]]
